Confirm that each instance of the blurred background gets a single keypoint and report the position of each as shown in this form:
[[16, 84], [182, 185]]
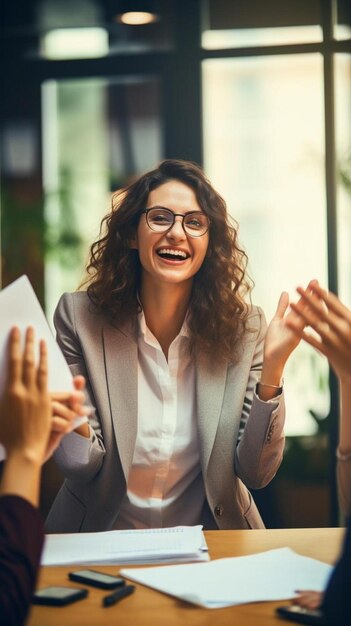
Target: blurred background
[[259, 93]]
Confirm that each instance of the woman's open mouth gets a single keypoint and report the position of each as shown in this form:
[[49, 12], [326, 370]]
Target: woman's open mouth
[[172, 254]]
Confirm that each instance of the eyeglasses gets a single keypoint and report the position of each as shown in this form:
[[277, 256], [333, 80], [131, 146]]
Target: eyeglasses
[[160, 220]]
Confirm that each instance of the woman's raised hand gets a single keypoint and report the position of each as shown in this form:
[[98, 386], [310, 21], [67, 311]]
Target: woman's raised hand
[[281, 339]]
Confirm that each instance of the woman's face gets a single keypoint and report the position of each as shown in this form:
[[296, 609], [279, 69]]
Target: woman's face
[[172, 256]]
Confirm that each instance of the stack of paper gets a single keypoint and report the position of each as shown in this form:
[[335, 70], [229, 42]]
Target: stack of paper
[[271, 575], [156, 545]]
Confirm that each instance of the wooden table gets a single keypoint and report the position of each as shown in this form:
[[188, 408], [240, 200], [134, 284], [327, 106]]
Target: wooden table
[[147, 607]]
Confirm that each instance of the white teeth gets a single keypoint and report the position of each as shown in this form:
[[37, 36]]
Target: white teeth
[[180, 253]]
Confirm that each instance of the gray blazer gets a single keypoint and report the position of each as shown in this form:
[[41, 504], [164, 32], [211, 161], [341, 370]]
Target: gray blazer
[[241, 437]]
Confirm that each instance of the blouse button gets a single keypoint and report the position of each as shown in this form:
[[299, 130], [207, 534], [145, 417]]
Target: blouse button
[[219, 510]]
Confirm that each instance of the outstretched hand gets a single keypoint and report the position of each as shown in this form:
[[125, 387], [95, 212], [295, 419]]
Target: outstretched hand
[[331, 322], [66, 407]]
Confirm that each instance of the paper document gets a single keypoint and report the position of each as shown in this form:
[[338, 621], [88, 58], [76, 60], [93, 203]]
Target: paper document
[[272, 575], [19, 306], [155, 545]]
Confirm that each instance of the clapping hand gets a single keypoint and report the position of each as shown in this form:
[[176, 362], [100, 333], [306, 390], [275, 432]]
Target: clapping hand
[[331, 323], [281, 339]]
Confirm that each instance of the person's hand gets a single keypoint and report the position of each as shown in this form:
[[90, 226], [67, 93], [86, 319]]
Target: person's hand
[[307, 599], [331, 322], [280, 340], [25, 410], [66, 407]]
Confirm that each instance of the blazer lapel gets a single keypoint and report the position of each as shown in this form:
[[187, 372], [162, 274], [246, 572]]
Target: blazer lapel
[[210, 386], [121, 363]]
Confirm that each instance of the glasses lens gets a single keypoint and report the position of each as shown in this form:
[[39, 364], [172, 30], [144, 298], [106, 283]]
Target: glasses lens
[[160, 219], [196, 224]]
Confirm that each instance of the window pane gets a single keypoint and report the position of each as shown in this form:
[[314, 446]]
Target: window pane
[[94, 132], [228, 24], [343, 25], [343, 147], [264, 151]]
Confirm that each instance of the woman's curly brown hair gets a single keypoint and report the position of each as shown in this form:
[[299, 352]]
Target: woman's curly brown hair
[[217, 308]]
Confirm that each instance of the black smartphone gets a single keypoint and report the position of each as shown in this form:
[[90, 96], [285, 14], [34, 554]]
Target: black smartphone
[[58, 596], [296, 613], [96, 579]]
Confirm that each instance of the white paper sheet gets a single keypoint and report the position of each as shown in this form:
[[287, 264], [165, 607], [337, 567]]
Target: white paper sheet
[[156, 545], [271, 575], [19, 306]]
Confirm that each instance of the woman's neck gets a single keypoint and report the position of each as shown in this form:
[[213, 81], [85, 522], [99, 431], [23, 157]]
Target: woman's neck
[[165, 308]]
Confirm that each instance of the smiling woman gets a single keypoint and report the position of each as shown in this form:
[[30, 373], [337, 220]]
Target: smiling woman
[[184, 374], [218, 289]]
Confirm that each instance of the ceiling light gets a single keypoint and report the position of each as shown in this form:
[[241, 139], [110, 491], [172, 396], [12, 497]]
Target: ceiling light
[[136, 12], [137, 18]]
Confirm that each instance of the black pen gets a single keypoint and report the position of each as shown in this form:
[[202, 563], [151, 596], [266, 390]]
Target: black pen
[[116, 596]]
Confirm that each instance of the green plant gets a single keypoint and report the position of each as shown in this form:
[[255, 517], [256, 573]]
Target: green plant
[[62, 240]]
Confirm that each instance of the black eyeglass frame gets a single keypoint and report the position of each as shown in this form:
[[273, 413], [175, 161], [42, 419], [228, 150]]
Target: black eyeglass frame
[[152, 208]]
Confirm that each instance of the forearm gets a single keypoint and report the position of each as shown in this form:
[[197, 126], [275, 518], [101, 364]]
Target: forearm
[[261, 439], [21, 477], [272, 370], [80, 458], [345, 417], [21, 540], [271, 380], [344, 448], [260, 450], [343, 473]]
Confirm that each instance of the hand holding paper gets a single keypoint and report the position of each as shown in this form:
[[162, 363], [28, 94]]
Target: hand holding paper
[[68, 410], [20, 307]]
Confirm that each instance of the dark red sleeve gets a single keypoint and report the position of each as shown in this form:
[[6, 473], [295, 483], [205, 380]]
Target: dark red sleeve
[[21, 542]]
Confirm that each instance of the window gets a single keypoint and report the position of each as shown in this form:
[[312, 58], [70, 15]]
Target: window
[[277, 144], [264, 151], [95, 132]]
